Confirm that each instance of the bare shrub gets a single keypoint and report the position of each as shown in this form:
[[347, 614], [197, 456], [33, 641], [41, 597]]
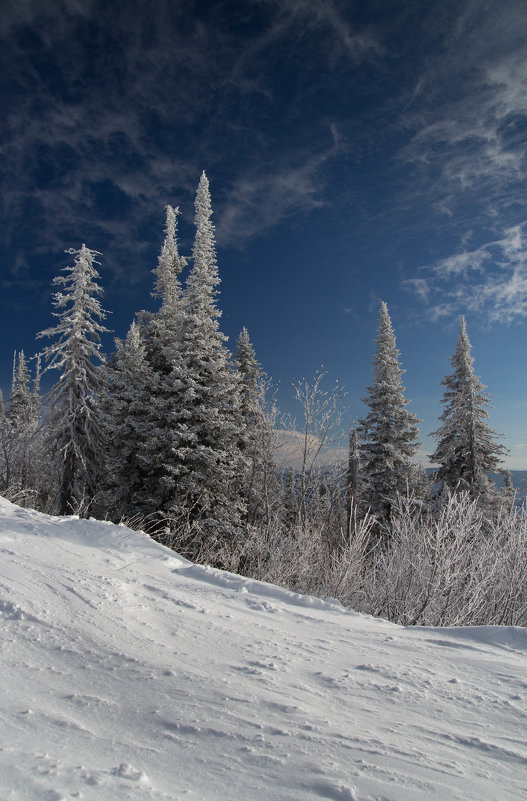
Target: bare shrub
[[455, 568], [456, 565]]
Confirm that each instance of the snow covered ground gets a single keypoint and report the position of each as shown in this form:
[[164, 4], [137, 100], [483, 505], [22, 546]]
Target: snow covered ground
[[128, 673]]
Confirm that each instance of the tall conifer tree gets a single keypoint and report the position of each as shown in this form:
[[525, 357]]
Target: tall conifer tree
[[261, 487], [389, 432], [161, 330], [18, 430], [169, 265], [207, 457], [21, 404], [75, 422], [131, 391], [466, 445], [161, 334]]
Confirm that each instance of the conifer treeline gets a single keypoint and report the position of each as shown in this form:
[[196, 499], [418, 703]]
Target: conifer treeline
[[175, 432]]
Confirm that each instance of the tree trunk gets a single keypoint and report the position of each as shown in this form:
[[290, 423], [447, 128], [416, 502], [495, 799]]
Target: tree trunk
[[353, 476], [67, 489]]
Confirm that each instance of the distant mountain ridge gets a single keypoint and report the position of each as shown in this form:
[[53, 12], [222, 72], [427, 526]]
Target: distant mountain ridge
[[519, 480]]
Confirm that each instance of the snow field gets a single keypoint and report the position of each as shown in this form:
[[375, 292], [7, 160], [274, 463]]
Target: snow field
[[128, 673]]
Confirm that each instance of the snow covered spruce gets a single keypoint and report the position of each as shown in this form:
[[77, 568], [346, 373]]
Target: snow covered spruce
[[389, 432], [74, 427], [467, 450]]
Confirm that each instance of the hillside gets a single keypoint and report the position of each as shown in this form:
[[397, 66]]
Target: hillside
[[128, 673]]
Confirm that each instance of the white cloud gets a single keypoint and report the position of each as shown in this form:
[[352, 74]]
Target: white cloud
[[468, 114], [289, 450], [264, 196], [490, 280], [356, 44], [107, 129], [336, 36]]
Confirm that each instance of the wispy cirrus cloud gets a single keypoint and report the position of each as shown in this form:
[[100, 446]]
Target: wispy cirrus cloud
[[467, 134], [328, 17], [271, 192], [490, 281], [116, 111], [82, 158], [467, 117]]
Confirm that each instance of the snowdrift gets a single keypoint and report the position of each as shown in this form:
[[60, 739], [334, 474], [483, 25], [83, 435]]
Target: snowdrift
[[129, 673]]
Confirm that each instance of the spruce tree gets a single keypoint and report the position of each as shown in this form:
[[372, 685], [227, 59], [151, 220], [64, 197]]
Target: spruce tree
[[75, 425], [127, 404], [170, 264], [5, 440], [19, 434], [162, 329], [389, 432], [161, 398], [250, 377], [261, 486], [466, 449], [21, 405], [15, 427], [207, 459]]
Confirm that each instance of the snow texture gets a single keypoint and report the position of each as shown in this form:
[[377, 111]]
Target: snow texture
[[129, 673]]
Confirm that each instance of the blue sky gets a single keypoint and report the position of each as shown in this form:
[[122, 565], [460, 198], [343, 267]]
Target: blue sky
[[357, 151]]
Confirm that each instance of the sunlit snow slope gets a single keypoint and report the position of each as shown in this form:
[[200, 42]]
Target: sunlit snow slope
[[127, 673]]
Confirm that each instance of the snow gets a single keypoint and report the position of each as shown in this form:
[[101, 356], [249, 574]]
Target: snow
[[128, 673]]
